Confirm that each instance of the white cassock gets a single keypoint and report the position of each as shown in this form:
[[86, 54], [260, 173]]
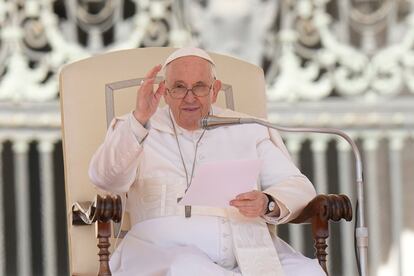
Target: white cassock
[[146, 163]]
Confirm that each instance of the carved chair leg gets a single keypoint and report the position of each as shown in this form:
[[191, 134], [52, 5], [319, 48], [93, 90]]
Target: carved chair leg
[[104, 232], [320, 246], [320, 232]]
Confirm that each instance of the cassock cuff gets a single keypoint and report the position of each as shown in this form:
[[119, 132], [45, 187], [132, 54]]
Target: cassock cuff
[[283, 213], [140, 132]]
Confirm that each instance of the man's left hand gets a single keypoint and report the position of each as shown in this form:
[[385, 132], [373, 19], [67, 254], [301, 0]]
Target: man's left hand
[[251, 204]]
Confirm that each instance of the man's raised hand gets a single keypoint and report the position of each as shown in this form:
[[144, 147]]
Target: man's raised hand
[[147, 100]]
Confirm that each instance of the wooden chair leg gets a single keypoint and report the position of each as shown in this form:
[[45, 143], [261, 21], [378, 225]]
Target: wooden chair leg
[[104, 232], [320, 232]]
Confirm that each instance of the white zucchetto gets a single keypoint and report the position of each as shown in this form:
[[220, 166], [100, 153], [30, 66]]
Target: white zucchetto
[[188, 51]]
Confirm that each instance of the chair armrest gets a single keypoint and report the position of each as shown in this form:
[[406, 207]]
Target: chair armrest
[[102, 210], [326, 207], [319, 212]]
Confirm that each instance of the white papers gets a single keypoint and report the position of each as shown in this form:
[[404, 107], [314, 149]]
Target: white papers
[[215, 184]]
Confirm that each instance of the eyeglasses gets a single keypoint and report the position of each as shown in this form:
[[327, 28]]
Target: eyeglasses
[[180, 91]]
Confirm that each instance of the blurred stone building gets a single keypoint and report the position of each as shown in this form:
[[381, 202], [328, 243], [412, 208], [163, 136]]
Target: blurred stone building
[[345, 64]]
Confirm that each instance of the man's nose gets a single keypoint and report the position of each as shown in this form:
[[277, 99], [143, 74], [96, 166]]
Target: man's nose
[[189, 97]]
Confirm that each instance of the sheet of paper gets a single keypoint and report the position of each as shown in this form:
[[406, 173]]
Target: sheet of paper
[[215, 184]]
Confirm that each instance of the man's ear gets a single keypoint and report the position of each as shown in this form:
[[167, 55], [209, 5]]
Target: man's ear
[[216, 90]]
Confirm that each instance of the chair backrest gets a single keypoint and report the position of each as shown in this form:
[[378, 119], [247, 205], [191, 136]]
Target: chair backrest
[[93, 89]]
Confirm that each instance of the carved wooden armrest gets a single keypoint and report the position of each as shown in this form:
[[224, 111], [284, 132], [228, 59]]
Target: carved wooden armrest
[[319, 212], [102, 210]]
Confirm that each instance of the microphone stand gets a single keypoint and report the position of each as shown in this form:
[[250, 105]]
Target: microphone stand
[[361, 233]]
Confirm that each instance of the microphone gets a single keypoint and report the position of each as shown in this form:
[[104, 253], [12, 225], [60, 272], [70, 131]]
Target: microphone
[[361, 233], [211, 122]]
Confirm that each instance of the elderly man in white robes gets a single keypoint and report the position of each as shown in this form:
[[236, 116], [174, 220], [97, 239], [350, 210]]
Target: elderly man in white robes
[[152, 154]]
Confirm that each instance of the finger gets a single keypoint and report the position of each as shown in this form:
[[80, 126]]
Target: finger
[[242, 203], [160, 91], [147, 87], [250, 209], [147, 82], [153, 72], [249, 195]]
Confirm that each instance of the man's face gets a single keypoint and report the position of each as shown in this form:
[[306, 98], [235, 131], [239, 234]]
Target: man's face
[[189, 72]]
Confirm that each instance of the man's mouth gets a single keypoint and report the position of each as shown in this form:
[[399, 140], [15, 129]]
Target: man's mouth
[[190, 109]]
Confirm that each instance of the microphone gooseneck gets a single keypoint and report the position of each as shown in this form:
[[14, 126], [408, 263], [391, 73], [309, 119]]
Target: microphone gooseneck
[[211, 122]]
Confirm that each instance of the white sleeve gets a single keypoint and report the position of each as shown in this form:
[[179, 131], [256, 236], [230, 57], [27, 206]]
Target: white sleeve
[[114, 165], [281, 179]]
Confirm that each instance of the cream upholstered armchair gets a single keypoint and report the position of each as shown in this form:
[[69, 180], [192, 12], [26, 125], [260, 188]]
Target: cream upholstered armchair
[[92, 92]]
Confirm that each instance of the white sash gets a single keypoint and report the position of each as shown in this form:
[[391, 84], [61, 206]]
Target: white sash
[[253, 246]]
